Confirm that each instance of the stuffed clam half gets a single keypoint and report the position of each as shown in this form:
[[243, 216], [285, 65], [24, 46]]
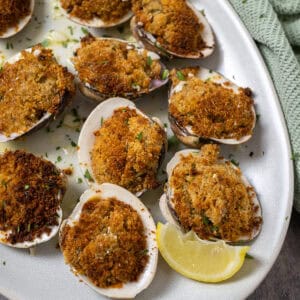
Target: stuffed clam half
[[109, 67], [204, 105], [172, 28], [14, 16], [97, 14], [120, 144], [109, 241], [34, 89], [209, 195], [31, 192]]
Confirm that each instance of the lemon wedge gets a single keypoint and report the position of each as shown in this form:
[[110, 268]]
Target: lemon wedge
[[198, 259]]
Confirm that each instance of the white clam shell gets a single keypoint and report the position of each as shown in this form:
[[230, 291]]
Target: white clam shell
[[22, 23], [187, 136], [165, 202], [150, 41], [96, 22], [86, 140], [107, 190]]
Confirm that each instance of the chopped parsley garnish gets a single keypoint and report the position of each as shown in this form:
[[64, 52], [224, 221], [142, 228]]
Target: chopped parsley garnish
[[45, 43], [73, 144], [140, 136], [79, 180], [295, 156], [71, 30], [236, 163], [59, 158], [180, 76], [149, 60], [249, 256], [172, 141], [26, 187], [101, 121], [88, 175], [165, 74], [57, 148], [84, 30]]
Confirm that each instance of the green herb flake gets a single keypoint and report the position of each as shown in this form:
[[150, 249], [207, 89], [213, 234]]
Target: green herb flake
[[140, 136], [202, 11], [71, 30], [144, 252], [45, 43], [28, 227], [73, 144], [59, 158], [205, 220], [257, 117], [180, 76], [26, 187], [173, 141], [101, 121], [79, 180], [4, 263], [249, 256], [57, 148], [244, 1], [165, 125], [149, 61], [165, 74], [88, 175], [84, 30], [236, 163]]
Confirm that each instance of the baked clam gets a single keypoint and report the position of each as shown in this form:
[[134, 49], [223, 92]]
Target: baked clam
[[98, 14], [109, 242], [120, 144], [172, 28], [109, 67], [14, 16], [34, 89], [204, 105], [209, 195], [31, 191]]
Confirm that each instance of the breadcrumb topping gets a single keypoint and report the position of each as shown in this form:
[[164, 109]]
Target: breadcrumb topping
[[127, 151], [31, 87], [115, 68], [29, 202], [107, 244], [11, 12], [109, 11], [211, 198], [209, 109], [172, 22]]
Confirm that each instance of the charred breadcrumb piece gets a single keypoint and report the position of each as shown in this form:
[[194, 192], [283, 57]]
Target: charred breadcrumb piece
[[210, 109], [127, 151], [30, 88], [109, 11], [107, 244], [114, 68], [172, 22], [211, 198], [11, 12], [29, 188]]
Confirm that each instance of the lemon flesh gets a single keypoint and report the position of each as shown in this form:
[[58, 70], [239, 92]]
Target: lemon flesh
[[197, 259]]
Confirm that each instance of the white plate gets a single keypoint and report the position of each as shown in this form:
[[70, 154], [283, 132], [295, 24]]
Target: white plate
[[45, 276]]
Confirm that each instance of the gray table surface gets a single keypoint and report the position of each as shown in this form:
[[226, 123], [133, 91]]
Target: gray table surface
[[283, 281]]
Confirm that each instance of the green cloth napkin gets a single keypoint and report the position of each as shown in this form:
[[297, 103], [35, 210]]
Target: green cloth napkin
[[275, 26]]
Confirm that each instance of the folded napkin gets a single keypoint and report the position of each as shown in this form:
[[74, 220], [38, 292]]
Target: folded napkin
[[275, 26]]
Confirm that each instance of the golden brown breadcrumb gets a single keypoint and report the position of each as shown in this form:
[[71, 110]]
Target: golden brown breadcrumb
[[172, 22], [109, 11], [115, 68], [211, 198], [29, 188], [127, 151], [11, 12], [209, 109], [107, 244], [31, 87]]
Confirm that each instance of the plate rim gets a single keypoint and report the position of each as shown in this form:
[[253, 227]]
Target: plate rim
[[283, 125]]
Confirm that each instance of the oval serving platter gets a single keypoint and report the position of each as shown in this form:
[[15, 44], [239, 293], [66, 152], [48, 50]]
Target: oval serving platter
[[265, 160]]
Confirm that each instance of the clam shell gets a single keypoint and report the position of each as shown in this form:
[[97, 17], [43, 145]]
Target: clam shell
[[92, 93], [22, 23], [167, 207], [46, 118], [149, 40], [186, 135], [86, 138], [107, 190], [96, 22]]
